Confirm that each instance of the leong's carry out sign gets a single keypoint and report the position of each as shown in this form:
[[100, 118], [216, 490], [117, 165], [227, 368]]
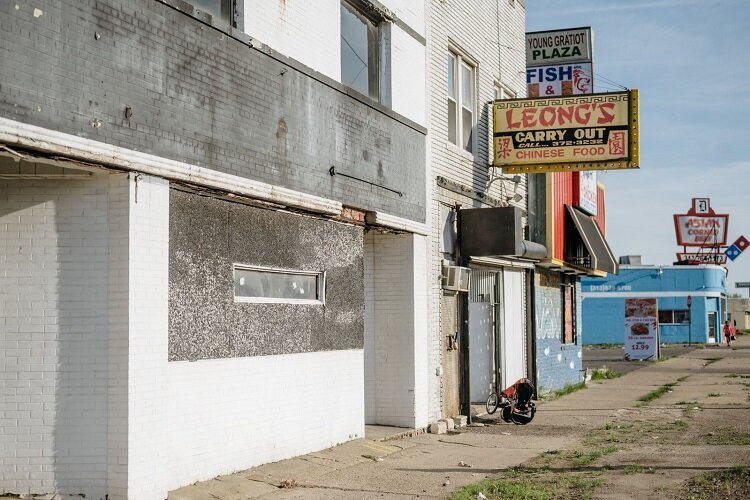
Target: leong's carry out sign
[[569, 133]]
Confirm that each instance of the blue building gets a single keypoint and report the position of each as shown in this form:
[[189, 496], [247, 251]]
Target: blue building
[[691, 302]]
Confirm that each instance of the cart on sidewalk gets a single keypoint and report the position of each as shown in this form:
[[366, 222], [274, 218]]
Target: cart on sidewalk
[[515, 401]]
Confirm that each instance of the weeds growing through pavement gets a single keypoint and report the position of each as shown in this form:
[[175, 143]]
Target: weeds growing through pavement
[[605, 374]]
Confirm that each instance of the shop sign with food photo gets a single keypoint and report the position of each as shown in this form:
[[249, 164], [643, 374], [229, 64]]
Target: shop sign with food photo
[[641, 329]]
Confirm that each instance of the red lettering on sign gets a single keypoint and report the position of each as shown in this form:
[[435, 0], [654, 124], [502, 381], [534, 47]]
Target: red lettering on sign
[[606, 113], [558, 116]]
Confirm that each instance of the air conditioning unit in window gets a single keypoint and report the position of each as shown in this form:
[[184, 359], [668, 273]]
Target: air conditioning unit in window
[[456, 278]]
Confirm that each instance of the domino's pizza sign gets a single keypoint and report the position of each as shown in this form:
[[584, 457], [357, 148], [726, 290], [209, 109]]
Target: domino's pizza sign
[[735, 249]]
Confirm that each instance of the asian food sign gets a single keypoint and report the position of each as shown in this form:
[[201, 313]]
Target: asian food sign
[[572, 133], [567, 79], [641, 329], [701, 230]]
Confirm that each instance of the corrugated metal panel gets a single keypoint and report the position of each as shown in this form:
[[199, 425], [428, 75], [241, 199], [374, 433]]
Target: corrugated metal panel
[[482, 286]]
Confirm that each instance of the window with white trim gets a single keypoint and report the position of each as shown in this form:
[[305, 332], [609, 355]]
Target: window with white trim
[[360, 50], [502, 92], [461, 101], [263, 284]]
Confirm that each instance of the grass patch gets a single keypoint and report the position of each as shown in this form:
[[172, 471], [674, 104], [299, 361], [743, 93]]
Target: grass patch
[[670, 426], [582, 458], [660, 391], [686, 403], [633, 469], [656, 393], [638, 469], [531, 487], [568, 389], [730, 483], [726, 436], [714, 394], [605, 374], [602, 346], [710, 361], [736, 375], [676, 425]]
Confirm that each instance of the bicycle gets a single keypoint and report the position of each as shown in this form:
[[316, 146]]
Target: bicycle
[[515, 401]]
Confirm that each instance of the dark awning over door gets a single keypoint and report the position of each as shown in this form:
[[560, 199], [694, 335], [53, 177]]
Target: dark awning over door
[[601, 257]]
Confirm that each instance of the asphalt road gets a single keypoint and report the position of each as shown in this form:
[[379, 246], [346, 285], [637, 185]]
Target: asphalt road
[[613, 357]]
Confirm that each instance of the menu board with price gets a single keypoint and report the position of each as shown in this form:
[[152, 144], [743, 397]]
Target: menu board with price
[[641, 329]]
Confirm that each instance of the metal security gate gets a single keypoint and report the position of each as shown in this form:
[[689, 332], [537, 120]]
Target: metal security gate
[[497, 330], [482, 302]]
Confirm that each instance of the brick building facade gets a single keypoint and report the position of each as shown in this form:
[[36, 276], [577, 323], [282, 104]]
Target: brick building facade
[[207, 230]]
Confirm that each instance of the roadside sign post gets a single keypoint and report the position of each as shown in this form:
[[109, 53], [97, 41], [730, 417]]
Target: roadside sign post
[[690, 320], [743, 284]]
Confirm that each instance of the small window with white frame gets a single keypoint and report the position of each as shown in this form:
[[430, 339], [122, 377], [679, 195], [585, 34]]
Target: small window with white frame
[[269, 285], [502, 92], [461, 102]]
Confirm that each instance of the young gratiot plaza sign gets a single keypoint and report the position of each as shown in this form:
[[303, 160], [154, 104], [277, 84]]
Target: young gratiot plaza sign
[[571, 133]]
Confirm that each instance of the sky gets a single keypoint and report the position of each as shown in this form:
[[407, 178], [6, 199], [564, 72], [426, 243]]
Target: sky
[[690, 61]]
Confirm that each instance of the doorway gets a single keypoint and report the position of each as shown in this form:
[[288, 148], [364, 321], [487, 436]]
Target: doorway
[[711, 320], [497, 330]]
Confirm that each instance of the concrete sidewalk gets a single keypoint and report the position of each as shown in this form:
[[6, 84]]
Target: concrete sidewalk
[[432, 466]]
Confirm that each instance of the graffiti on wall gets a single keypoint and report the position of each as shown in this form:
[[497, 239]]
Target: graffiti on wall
[[548, 313]]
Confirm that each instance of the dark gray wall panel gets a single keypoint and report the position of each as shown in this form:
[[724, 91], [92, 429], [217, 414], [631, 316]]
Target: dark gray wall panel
[[200, 96], [207, 236]]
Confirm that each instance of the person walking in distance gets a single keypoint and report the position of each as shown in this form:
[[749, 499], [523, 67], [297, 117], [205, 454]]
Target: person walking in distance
[[727, 330]]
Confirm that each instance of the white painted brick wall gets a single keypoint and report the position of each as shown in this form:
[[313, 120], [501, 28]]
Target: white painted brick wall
[[423, 375], [407, 75], [148, 288], [411, 12], [84, 332], [398, 329], [117, 381], [308, 32], [485, 31], [231, 414], [369, 344], [53, 336]]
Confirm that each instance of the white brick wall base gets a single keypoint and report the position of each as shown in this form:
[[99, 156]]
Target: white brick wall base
[[232, 414], [83, 335], [396, 330]]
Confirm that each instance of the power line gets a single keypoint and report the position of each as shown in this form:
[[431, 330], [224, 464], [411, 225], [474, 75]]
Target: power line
[[611, 82]]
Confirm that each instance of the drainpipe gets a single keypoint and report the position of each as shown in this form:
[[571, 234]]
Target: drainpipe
[[463, 326], [531, 328]]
